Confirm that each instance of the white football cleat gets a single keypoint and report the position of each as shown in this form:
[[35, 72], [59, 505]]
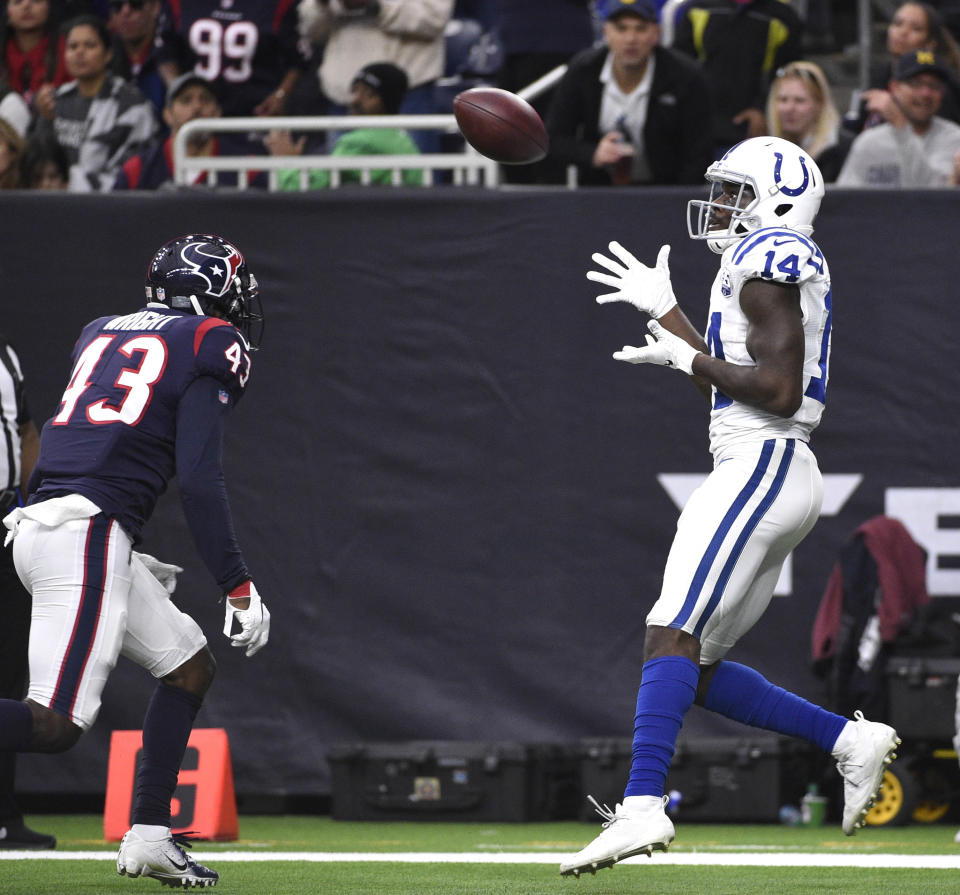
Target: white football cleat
[[163, 859], [861, 763], [625, 833]]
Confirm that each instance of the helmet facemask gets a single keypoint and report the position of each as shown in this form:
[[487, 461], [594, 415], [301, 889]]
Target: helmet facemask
[[733, 198], [241, 307]]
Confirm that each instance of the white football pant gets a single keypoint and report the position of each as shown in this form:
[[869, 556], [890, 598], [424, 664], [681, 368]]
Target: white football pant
[[732, 539], [91, 603]]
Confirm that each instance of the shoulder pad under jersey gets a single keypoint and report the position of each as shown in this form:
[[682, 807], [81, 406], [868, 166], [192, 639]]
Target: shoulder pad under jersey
[[221, 351], [778, 255]]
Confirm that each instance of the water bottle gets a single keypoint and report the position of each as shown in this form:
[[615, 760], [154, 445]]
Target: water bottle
[[813, 807]]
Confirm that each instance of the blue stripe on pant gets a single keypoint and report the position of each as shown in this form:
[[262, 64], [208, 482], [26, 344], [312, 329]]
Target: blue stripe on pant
[[709, 559], [88, 615]]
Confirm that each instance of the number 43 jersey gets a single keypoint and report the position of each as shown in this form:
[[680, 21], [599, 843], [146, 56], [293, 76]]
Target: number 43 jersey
[[147, 390], [781, 256]]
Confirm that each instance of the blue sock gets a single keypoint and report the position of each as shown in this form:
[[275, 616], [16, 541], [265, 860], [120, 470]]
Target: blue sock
[[166, 729], [745, 695], [16, 726], [667, 690]]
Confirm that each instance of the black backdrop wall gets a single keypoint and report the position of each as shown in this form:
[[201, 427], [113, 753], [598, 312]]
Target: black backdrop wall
[[449, 493]]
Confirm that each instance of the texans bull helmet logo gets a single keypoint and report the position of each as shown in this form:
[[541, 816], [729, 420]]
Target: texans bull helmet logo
[[216, 265]]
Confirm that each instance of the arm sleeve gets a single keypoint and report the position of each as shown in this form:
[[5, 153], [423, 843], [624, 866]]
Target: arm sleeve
[[696, 142], [423, 19], [203, 490], [852, 173], [567, 124]]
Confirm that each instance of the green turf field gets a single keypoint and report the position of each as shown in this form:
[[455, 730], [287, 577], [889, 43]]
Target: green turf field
[[549, 841]]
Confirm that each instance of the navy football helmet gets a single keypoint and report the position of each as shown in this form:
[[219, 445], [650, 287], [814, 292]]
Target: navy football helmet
[[204, 274]]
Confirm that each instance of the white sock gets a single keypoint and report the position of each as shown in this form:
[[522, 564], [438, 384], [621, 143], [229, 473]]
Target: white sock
[[638, 804], [150, 832], [845, 740]]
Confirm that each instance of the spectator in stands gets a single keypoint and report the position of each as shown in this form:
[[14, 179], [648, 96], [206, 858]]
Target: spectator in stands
[[631, 111], [134, 25], [739, 44], [377, 89], [914, 26], [188, 97], [44, 165], [98, 118], [800, 109], [408, 33], [248, 49], [32, 50], [538, 36], [11, 149], [915, 147]]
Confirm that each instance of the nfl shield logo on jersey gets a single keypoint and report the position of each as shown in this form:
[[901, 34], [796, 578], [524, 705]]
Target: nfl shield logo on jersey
[[725, 287]]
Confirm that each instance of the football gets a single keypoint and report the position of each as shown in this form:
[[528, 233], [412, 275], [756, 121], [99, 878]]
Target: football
[[501, 125]]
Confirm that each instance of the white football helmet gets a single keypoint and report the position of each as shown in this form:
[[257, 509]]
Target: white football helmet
[[787, 190]]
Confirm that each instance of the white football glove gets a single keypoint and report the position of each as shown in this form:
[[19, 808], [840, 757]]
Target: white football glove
[[666, 349], [254, 621], [646, 288], [166, 573]]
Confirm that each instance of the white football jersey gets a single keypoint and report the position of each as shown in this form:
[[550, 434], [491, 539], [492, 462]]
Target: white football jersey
[[779, 256]]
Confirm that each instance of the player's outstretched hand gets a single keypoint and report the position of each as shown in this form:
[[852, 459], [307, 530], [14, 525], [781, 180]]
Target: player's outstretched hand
[[165, 572], [646, 288], [254, 620], [666, 349]]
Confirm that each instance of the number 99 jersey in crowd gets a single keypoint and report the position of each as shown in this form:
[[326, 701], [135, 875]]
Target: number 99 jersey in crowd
[[148, 394], [244, 47], [764, 233]]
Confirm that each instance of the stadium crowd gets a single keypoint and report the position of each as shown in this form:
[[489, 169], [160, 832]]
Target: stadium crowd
[[652, 91]]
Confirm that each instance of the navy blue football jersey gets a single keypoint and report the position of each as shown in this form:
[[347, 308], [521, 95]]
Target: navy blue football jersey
[[120, 432], [243, 47]]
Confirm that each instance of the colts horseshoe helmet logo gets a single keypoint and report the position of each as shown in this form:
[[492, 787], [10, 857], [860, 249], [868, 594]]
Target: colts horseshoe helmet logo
[[786, 190]]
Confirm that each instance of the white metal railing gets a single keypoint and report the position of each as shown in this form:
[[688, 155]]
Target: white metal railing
[[467, 166]]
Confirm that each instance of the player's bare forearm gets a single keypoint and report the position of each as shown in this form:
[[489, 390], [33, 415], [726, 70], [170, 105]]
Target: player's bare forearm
[[775, 341], [758, 386], [679, 324]]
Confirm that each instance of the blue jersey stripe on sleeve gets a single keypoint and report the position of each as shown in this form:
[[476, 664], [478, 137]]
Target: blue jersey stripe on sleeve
[[751, 243]]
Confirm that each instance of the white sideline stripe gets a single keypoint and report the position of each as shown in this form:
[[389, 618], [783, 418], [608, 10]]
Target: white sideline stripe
[[699, 859]]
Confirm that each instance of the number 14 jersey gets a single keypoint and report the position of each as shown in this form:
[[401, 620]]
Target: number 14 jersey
[[783, 256]]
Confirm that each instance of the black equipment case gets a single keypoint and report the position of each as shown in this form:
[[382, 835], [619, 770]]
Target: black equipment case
[[718, 779], [453, 780], [923, 696]]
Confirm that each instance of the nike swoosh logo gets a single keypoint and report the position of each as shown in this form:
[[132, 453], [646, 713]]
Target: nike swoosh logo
[[782, 242], [182, 866]]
